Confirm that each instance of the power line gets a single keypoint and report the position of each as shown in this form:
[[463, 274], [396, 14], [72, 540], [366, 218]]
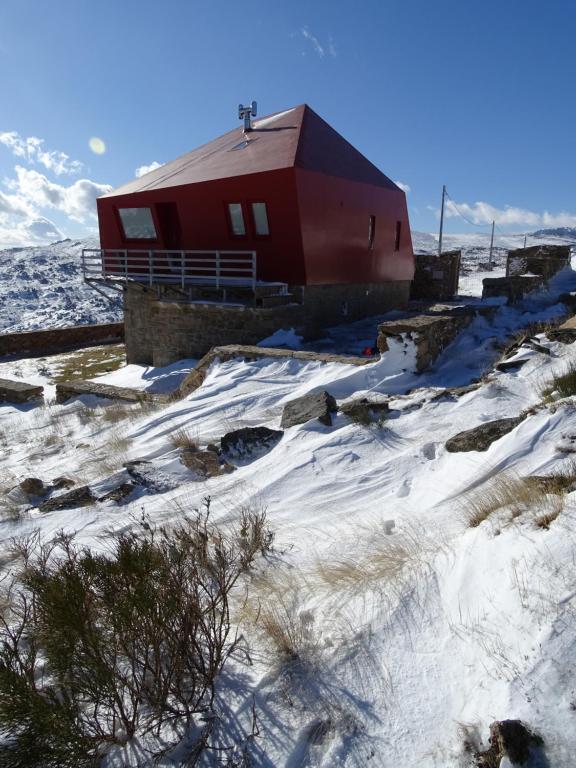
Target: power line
[[459, 212]]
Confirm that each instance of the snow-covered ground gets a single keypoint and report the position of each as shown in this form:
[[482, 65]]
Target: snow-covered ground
[[415, 628], [42, 287]]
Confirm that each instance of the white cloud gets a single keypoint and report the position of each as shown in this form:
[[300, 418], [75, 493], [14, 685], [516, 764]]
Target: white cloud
[[31, 149], [37, 231], [314, 41], [484, 213], [78, 200], [403, 187], [147, 168]]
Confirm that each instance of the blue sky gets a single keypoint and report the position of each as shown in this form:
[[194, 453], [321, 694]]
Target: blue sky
[[479, 96]]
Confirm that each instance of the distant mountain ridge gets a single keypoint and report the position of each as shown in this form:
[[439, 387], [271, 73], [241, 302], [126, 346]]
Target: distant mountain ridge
[[567, 232]]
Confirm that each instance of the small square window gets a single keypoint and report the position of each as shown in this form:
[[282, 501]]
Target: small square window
[[137, 223], [371, 232], [236, 215], [260, 216]]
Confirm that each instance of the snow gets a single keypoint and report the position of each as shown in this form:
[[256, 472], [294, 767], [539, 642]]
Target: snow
[[417, 625], [42, 287], [148, 379]]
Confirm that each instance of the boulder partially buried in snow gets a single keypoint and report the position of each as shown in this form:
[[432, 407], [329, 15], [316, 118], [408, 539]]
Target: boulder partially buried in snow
[[79, 497], [481, 438], [204, 464], [315, 405], [511, 743], [249, 442]]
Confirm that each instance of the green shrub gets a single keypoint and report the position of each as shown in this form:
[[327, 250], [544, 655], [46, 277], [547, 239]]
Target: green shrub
[[96, 649]]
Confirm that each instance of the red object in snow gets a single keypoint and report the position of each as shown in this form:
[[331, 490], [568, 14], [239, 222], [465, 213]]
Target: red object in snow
[[313, 208]]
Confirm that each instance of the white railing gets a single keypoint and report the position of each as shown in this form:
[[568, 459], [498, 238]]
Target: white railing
[[218, 269]]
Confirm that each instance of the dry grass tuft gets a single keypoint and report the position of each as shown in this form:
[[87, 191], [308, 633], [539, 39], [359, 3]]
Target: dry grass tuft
[[184, 439], [290, 631], [116, 412], [544, 520], [506, 490], [520, 494], [562, 383]]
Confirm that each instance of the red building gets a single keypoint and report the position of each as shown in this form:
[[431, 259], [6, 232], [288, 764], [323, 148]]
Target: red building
[[288, 202]]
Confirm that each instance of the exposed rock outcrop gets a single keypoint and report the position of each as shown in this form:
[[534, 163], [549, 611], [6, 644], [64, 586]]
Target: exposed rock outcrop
[[315, 405], [249, 441], [481, 438]]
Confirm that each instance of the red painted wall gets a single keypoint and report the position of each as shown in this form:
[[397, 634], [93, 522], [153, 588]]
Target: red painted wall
[[318, 225], [203, 217], [334, 217]]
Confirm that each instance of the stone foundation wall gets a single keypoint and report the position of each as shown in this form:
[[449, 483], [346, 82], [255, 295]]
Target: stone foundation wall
[[430, 334], [162, 330], [543, 260], [436, 277], [514, 287], [60, 339]]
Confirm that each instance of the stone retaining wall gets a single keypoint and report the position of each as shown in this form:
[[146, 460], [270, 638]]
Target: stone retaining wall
[[430, 334], [514, 287], [160, 331], [37, 343]]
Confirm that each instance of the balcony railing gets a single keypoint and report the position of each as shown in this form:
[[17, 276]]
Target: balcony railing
[[219, 269]]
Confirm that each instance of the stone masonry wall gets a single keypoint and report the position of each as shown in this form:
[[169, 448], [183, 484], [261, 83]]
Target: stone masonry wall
[[543, 260], [160, 331], [436, 277], [60, 339]]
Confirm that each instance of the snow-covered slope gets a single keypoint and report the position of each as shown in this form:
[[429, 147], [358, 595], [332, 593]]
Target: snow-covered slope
[[42, 287], [419, 630]]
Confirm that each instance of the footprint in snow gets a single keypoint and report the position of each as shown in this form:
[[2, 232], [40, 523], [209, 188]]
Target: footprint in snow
[[428, 450], [404, 489]]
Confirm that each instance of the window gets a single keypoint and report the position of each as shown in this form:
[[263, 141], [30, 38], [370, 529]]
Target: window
[[137, 223], [236, 219], [260, 217], [398, 234], [371, 232]]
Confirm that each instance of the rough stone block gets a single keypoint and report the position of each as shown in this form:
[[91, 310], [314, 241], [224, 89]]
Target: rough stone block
[[19, 391], [315, 405]]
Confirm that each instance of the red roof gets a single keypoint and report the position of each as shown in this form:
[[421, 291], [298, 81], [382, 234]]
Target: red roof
[[297, 137]]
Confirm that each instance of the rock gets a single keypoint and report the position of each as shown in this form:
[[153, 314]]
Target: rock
[[511, 743], [481, 438], [118, 494], [62, 482], [510, 365], [249, 441], [204, 464], [213, 448], [79, 497], [33, 486], [563, 335], [315, 405], [19, 391], [365, 411], [144, 473]]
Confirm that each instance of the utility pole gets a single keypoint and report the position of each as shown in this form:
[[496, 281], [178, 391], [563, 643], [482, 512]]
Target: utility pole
[[441, 221], [491, 245], [525, 236]]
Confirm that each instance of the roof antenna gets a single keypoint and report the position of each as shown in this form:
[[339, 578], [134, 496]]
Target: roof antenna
[[245, 113]]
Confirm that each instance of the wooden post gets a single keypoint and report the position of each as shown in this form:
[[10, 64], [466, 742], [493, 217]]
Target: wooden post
[[441, 221], [491, 245]]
